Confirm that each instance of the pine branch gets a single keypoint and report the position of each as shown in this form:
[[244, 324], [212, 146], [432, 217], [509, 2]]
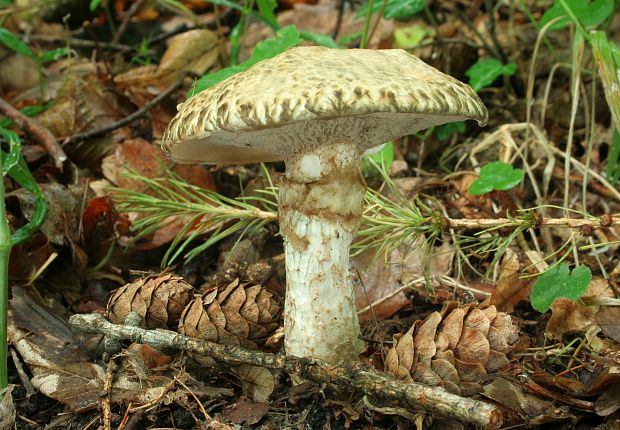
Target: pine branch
[[387, 223]]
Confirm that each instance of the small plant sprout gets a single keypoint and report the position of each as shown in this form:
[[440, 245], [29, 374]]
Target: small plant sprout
[[558, 282], [498, 176], [319, 110], [486, 70]]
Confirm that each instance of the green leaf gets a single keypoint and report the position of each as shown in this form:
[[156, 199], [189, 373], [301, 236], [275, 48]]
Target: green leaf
[[350, 38], [14, 43], [558, 282], [398, 9], [11, 159], [266, 9], [383, 157], [409, 37], [496, 176], [444, 131], [487, 70], [94, 4], [319, 39], [53, 55], [286, 38], [589, 13]]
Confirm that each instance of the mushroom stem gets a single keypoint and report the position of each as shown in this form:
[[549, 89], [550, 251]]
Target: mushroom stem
[[321, 203]]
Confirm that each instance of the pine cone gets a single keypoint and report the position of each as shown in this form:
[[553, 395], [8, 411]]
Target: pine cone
[[159, 299], [455, 348], [239, 314]]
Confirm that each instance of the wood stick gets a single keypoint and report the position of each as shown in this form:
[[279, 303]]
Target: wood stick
[[381, 386], [40, 133]]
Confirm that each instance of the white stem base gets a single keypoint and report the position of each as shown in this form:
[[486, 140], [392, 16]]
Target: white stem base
[[319, 215]]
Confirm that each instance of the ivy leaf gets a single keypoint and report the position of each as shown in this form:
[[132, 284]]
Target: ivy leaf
[[14, 43], [559, 282], [589, 13], [498, 176], [486, 71], [398, 9], [286, 38]]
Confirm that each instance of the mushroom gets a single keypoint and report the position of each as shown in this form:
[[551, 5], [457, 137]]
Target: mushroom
[[319, 110]]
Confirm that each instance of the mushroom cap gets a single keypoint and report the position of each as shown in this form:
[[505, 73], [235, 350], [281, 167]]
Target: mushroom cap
[[312, 95]]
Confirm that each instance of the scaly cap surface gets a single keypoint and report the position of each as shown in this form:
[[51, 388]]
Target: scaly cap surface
[[310, 95]]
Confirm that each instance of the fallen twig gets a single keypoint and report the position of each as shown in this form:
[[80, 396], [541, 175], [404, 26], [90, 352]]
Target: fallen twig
[[359, 376], [591, 222], [40, 133]]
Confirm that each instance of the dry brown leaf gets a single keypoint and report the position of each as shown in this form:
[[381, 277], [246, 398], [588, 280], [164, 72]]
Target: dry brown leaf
[[193, 51], [7, 408], [148, 160], [83, 104], [257, 382], [17, 72], [569, 315], [246, 412], [379, 283], [61, 226], [57, 358], [608, 318], [534, 410], [511, 287]]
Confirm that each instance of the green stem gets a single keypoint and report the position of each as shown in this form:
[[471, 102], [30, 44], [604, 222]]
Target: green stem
[[5, 251], [110, 19], [40, 74], [364, 40]]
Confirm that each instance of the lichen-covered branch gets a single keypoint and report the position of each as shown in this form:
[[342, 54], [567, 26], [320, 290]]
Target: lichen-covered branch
[[380, 385]]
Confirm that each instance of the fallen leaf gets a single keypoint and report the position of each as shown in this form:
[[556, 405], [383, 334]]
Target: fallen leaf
[[608, 402], [534, 410], [568, 315], [58, 360], [246, 412], [148, 160], [257, 382], [7, 408], [61, 226], [608, 318], [511, 287]]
